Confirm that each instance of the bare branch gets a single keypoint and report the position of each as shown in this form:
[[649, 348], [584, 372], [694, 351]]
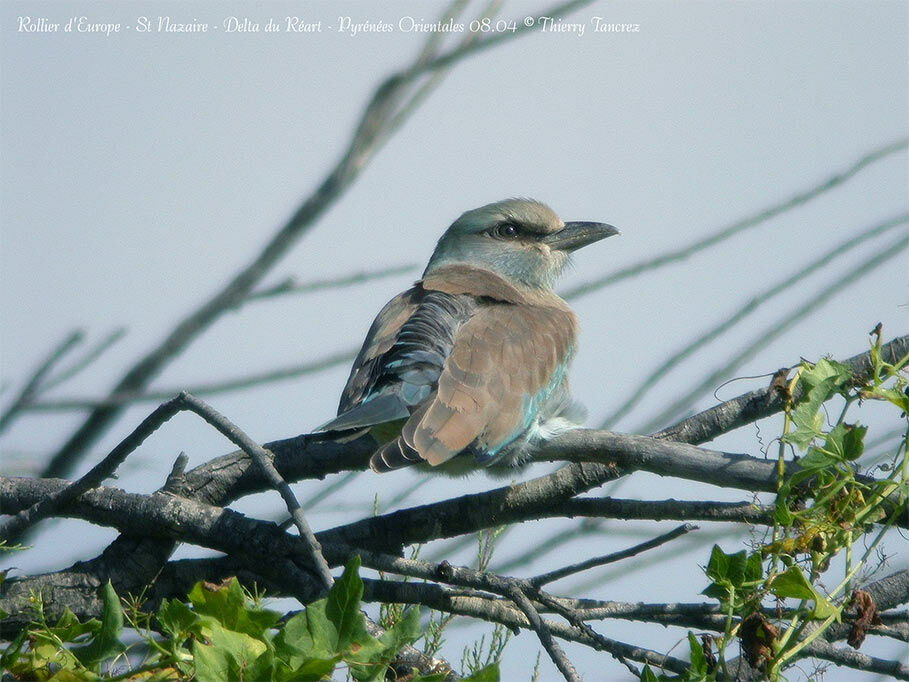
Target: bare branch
[[149, 425], [215, 387], [667, 510], [33, 385], [291, 286], [227, 478], [163, 518], [740, 225], [499, 611], [856, 660], [542, 629], [102, 470], [264, 460], [90, 356], [566, 571]]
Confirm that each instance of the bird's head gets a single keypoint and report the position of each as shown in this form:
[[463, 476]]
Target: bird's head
[[522, 240]]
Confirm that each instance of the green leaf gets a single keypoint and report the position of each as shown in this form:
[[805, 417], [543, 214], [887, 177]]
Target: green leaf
[[647, 675], [212, 664], [754, 568], [11, 653], [231, 655], [828, 374], [106, 641], [718, 566], [488, 674], [854, 441], [808, 422], [817, 459], [260, 668], [176, 618], [228, 605], [698, 659], [342, 607], [846, 441], [307, 635], [68, 627], [819, 383], [823, 608], [313, 670], [898, 398], [793, 583], [731, 571], [374, 655], [781, 513]]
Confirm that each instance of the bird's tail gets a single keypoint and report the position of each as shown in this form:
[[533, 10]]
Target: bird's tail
[[393, 455]]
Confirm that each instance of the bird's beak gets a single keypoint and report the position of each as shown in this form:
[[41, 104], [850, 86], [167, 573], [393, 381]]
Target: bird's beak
[[575, 235]]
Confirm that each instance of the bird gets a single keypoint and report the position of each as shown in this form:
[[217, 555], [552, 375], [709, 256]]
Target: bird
[[473, 359]]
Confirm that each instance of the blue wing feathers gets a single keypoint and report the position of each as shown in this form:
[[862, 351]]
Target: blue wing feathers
[[406, 374]]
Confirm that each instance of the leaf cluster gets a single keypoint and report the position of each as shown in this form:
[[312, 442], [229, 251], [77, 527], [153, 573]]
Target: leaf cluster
[[822, 507], [222, 633]]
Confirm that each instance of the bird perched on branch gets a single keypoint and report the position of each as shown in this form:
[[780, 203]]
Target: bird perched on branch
[[474, 357]]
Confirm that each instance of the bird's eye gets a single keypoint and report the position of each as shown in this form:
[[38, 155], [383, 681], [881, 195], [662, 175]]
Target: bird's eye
[[506, 231]]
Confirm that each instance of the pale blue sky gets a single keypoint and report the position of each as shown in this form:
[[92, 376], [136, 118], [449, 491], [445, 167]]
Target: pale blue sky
[[139, 171]]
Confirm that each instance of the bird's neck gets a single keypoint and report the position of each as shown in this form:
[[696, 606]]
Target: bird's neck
[[464, 278]]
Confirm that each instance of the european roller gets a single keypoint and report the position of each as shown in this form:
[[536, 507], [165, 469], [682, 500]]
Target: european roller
[[473, 359]]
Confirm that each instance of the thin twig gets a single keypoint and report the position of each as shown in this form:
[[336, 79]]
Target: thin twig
[[668, 510], [244, 534], [263, 459], [738, 226], [547, 545], [90, 356], [636, 394], [34, 384], [215, 387], [552, 647], [477, 605], [779, 326], [291, 286], [575, 617], [565, 571], [102, 470], [515, 589]]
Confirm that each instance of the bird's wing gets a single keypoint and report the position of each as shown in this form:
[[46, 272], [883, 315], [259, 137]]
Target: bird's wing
[[401, 359], [506, 361], [379, 339]]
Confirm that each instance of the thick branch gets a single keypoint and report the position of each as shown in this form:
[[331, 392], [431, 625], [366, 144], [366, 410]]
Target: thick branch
[[232, 476]]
